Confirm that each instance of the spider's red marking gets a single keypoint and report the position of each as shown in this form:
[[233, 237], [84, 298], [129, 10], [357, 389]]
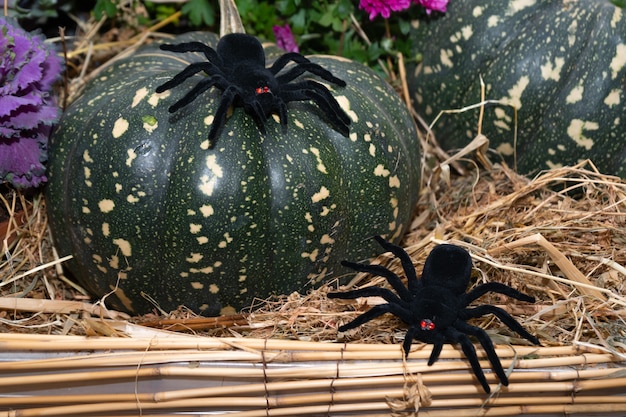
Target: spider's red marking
[[262, 90], [427, 324]]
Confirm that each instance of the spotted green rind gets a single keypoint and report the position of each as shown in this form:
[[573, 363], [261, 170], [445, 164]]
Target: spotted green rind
[[562, 63], [144, 206]]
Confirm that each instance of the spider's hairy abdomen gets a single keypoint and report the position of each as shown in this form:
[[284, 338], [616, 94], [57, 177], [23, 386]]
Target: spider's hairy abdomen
[[449, 266], [238, 48]]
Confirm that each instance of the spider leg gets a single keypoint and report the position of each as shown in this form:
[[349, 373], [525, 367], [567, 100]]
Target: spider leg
[[380, 270], [303, 65], [190, 71], [374, 312], [228, 97], [208, 52], [198, 89], [470, 352], [405, 259], [499, 288], [312, 90], [504, 317], [386, 294], [434, 354]]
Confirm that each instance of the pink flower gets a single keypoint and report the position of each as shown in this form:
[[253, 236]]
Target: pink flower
[[285, 39], [436, 5], [383, 7]]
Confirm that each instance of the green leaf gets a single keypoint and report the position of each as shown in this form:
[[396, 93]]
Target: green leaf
[[199, 12], [104, 7]]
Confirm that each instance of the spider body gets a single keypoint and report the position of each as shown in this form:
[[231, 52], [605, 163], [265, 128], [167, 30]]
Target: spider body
[[237, 67], [436, 307]]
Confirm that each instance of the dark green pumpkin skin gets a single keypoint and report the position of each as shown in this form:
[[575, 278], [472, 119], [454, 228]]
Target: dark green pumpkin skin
[[148, 210], [562, 63]]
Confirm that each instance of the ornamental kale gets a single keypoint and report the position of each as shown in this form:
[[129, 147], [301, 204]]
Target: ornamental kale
[[28, 68]]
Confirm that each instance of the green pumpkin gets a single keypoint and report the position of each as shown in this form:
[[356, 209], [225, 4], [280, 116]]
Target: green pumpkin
[[152, 214], [561, 63]]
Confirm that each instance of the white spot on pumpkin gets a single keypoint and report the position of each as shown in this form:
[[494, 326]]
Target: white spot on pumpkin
[[477, 11], [139, 95], [208, 121], [86, 210], [194, 228], [372, 150], [515, 92], [312, 256], [394, 181], [298, 123], [114, 262], [124, 246], [327, 240], [119, 127], [553, 165], [576, 131], [132, 199], [618, 61], [617, 17], [207, 210], [214, 289], [320, 164], [344, 103], [211, 163], [202, 240], [106, 205], [493, 21], [194, 258], [197, 285], [381, 171], [205, 145], [132, 155], [207, 185], [613, 98], [320, 195], [226, 241], [207, 270], [505, 149], [552, 71], [106, 229], [156, 97], [575, 95], [444, 57], [86, 156], [517, 5]]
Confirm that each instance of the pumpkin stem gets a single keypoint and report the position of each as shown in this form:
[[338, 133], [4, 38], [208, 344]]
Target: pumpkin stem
[[230, 21]]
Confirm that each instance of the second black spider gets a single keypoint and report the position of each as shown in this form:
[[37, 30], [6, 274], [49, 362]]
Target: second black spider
[[436, 307], [237, 67]]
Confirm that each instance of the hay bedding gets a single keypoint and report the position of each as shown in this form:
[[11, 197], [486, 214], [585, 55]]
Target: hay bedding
[[560, 236]]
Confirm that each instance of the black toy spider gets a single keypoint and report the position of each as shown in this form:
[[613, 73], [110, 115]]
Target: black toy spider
[[237, 67], [436, 306]]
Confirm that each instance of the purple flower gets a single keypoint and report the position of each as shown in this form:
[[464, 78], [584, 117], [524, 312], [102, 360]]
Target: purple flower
[[285, 39], [383, 7], [436, 5], [28, 68]]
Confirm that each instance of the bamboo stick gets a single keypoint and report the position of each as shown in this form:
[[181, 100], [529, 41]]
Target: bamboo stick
[[50, 343]]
